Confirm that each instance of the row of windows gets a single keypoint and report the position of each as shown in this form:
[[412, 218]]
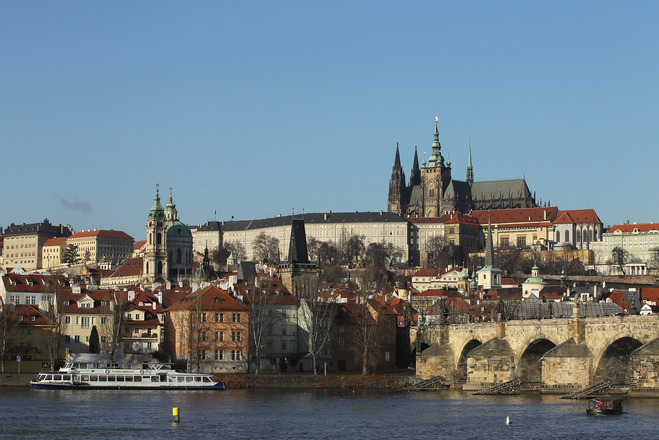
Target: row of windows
[[219, 317], [236, 355]]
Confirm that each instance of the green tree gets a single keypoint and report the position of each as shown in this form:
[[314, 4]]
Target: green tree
[[71, 256], [94, 343]]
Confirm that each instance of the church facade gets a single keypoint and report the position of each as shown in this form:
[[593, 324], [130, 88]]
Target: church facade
[[432, 191], [168, 248]]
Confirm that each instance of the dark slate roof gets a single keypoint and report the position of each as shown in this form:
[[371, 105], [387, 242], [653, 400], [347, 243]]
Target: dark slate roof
[[45, 227], [458, 190], [495, 189], [415, 195], [209, 226], [314, 218]]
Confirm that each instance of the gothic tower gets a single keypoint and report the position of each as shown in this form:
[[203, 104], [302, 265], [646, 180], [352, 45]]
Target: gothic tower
[[397, 200], [415, 175], [470, 168], [155, 266], [435, 176]]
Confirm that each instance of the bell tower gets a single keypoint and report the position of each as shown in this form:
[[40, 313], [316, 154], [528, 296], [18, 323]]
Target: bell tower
[[155, 256]]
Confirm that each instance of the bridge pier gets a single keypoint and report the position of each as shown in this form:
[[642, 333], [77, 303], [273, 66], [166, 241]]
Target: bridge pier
[[490, 364]]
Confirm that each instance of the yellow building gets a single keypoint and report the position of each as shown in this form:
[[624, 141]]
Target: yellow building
[[52, 252], [97, 244], [23, 243]]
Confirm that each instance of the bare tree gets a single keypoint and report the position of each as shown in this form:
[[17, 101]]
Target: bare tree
[[313, 248], [315, 322], [55, 314], [437, 248], [654, 257], [619, 257], [266, 248], [365, 330], [263, 316], [8, 328], [237, 249], [112, 323]]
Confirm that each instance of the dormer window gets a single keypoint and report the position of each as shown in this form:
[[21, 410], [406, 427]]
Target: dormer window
[[33, 318]]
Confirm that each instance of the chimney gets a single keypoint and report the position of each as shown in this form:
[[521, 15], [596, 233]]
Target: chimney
[[154, 306], [131, 295]]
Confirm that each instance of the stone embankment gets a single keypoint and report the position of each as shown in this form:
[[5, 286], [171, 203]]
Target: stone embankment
[[333, 380]]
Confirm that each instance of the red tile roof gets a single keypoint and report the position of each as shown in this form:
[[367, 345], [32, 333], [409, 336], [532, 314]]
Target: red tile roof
[[57, 241], [577, 216], [101, 233], [650, 294], [426, 273], [643, 227], [210, 298], [138, 245], [131, 267], [516, 216]]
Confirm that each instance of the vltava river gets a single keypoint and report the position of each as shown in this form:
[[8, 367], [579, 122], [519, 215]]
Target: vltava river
[[310, 414]]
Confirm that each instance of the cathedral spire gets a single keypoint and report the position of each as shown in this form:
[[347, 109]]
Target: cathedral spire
[[397, 160], [489, 247], [470, 168], [170, 210], [415, 175], [436, 159]]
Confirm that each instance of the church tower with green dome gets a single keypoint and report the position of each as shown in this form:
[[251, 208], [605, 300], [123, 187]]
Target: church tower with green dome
[[168, 252], [155, 267], [179, 243]]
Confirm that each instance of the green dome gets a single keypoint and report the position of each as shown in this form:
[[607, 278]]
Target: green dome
[[177, 229], [464, 275]]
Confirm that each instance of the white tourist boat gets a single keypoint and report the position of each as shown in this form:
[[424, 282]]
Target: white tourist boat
[[104, 376]]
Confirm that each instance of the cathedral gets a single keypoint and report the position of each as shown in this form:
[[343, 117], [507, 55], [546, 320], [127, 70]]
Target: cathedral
[[168, 249], [432, 191]]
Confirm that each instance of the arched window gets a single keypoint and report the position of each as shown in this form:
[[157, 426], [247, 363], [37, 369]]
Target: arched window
[[431, 192], [578, 236], [178, 256], [147, 267], [558, 236], [159, 267], [158, 238], [590, 235], [149, 238], [567, 236]]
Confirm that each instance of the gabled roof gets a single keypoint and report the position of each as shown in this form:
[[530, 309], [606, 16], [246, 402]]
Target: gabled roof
[[577, 216], [27, 312], [138, 245], [495, 189], [14, 282]]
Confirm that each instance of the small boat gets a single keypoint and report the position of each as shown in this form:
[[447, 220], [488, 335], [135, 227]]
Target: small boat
[[605, 406], [76, 375]]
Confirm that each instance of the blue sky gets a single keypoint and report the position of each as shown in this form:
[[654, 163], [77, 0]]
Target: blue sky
[[258, 108]]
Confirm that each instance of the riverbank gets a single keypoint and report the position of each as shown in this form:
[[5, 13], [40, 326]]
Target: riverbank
[[246, 381]]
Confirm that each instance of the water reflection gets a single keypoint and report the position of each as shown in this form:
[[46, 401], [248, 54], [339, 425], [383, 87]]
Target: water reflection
[[317, 414]]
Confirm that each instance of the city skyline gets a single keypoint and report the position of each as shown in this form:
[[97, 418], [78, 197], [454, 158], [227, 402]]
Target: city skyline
[[252, 112]]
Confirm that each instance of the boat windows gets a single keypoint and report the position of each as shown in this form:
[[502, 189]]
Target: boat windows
[[112, 378], [120, 378], [85, 378], [189, 379], [57, 377], [129, 378], [155, 379], [102, 378], [138, 378]]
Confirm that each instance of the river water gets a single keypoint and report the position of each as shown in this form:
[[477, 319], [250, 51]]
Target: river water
[[311, 414]]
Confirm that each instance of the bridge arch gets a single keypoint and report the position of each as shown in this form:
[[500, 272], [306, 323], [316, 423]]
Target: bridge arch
[[613, 362], [461, 366], [528, 367]]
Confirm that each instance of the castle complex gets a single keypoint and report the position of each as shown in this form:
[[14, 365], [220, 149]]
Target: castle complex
[[432, 191]]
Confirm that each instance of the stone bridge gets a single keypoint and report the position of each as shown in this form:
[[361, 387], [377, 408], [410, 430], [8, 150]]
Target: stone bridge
[[551, 355]]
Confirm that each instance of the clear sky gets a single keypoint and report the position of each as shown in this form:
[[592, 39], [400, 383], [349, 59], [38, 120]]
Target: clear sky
[[258, 108]]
